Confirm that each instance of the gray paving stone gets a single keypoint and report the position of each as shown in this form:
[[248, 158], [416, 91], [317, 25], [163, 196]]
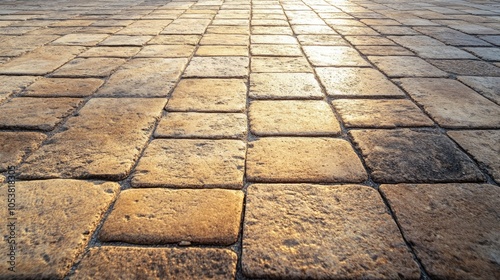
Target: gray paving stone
[[405, 66], [467, 67], [451, 36], [383, 50], [491, 54], [125, 40], [284, 86], [489, 87]]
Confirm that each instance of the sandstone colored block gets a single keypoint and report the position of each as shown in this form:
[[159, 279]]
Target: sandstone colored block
[[423, 156], [36, 113], [55, 221], [121, 52], [166, 51], [187, 163], [225, 39], [40, 61], [14, 84], [350, 82], [15, 145], [275, 50], [202, 125], [489, 87], [125, 40], [453, 228], [144, 77], [300, 159], [284, 86], [290, 117], [196, 216], [222, 51], [209, 95], [113, 262], [334, 56], [280, 65], [80, 39], [63, 87], [103, 141], [89, 67], [273, 39], [175, 40], [217, 66], [369, 41], [380, 113], [313, 29], [383, 50], [405, 66], [322, 232], [321, 40], [452, 104]]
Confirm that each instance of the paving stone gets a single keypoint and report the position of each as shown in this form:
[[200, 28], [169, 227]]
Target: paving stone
[[322, 232], [312, 29], [273, 39], [483, 145], [493, 39], [223, 66], [465, 241], [209, 95], [489, 87], [290, 117], [492, 54], [354, 30], [467, 67], [280, 65], [232, 29], [125, 40], [334, 56], [118, 262], [17, 45], [441, 52], [284, 86], [188, 163], [175, 40], [166, 51], [405, 155], [203, 125], [13, 85], [187, 27], [89, 67], [43, 208], [269, 22], [15, 145], [369, 41], [63, 87], [300, 159], [225, 39], [405, 66], [394, 30], [344, 22], [451, 36], [349, 82], [278, 30], [383, 113], [36, 113], [145, 27], [80, 39], [380, 22], [322, 40], [275, 50], [383, 50], [196, 216], [224, 51], [122, 52], [94, 144], [40, 61], [226, 22], [145, 77], [474, 29], [452, 104]]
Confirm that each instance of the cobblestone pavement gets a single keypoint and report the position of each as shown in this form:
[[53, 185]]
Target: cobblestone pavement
[[242, 139]]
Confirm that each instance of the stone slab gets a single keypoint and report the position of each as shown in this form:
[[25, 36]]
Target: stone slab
[[13, 85], [334, 56], [222, 51], [275, 50], [467, 67], [261, 64], [166, 51], [120, 52], [89, 67], [80, 39], [15, 145], [63, 87], [284, 86], [489, 87], [405, 66], [217, 66]]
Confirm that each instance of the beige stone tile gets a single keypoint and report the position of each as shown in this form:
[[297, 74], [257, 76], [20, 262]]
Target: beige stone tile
[[280, 65], [13, 85], [354, 30], [187, 27], [394, 30], [334, 56], [175, 40], [225, 39], [405, 66], [369, 41], [121, 52], [231, 29], [166, 51], [125, 40], [489, 87], [278, 30], [89, 67], [43, 208], [187, 163], [17, 45], [383, 50], [312, 29], [275, 50], [15, 145], [217, 66], [144, 27], [284, 86], [63, 87], [222, 51], [319, 232], [301, 159], [274, 39], [80, 39], [322, 40]]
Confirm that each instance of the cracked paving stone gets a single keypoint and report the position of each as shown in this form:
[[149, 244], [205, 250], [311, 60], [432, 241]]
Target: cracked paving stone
[[349, 82], [284, 86], [209, 217], [63, 87], [209, 95], [406, 66], [118, 262], [225, 51], [104, 140], [300, 159], [166, 51], [120, 52], [15, 145], [217, 66], [80, 39], [144, 77], [89, 67], [452, 104], [380, 113], [423, 156], [125, 40], [203, 125], [489, 87], [484, 147], [453, 228], [280, 64], [13, 85], [334, 56], [189, 163], [290, 117], [43, 209], [322, 232], [36, 113], [467, 67], [40, 61]]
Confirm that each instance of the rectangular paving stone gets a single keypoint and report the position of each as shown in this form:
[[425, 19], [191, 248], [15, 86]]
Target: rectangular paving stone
[[166, 51], [80, 39], [223, 66], [312, 29], [209, 95], [175, 40], [187, 26], [103, 141], [279, 65], [122, 52], [301, 159], [441, 52], [43, 208], [14, 84], [291, 117], [125, 40], [40, 61], [380, 113], [405, 66], [353, 81], [191, 263], [275, 50], [145, 27], [491, 54], [369, 41], [230, 29], [17, 45], [489, 87], [322, 232], [222, 51], [63, 87], [467, 67], [273, 39], [187, 163], [452, 104], [89, 67], [284, 86], [15, 145], [383, 50], [144, 77], [36, 113], [202, 125], [465, 241], [322, 40], [334, 56], [209, 217], [279, 30], [225, 39], [414, 156]]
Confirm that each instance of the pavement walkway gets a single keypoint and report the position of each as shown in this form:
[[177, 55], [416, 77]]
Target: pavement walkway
[[250, 139]]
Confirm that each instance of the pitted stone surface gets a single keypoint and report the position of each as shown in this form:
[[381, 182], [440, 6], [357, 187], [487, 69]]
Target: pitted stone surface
[[197, 216], [15, 145], [453, 228], [322, 232], [55, 221]]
